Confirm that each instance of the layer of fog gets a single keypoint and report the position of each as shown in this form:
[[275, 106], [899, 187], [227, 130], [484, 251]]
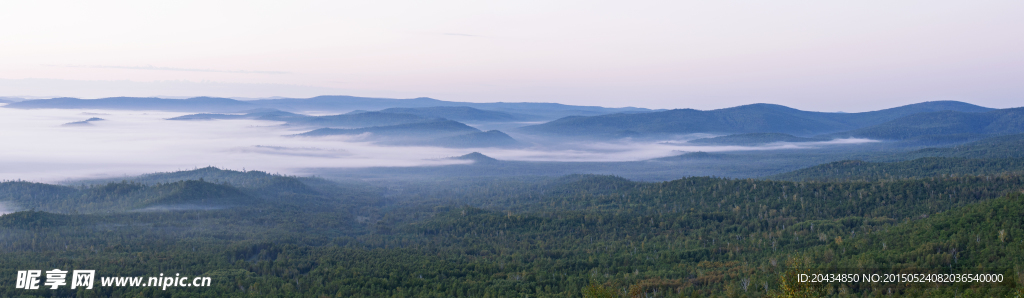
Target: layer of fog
[[6, 208], [185, 207], [37, 148]]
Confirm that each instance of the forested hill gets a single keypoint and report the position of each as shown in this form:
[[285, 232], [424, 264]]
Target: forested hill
[[994, 240], [992, 156], [994, 147], [203, 188], [124, 196], [917, 168], [436, 128], [946, 124], [257, 180], [256, 183]]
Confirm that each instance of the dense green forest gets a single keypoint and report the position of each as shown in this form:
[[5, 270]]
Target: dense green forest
[[917, 168], [258, 234]]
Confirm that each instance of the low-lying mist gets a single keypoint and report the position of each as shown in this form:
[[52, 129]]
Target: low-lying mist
[[38, 147], [6, 208], [165, 208]]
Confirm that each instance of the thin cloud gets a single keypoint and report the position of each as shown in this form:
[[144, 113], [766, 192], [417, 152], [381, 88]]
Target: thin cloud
[[460, 34], [150, 67]]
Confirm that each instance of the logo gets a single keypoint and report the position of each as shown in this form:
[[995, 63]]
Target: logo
[[56, 278], [29, 279]]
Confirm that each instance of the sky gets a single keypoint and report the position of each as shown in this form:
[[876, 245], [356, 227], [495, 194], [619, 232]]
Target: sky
[[813, 55]]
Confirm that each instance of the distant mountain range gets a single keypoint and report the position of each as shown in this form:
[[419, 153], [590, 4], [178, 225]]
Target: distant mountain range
[[755, 118], [425, 121], [350, 120], [198, 104], [356, 119], [438, 128], [464, 114], [522, 111]]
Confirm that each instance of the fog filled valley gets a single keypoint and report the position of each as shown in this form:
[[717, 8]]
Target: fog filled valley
[[351, 137], [339, 196]]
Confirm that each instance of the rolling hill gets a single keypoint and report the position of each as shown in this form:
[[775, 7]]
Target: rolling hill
[[197, 193], [349, 120], [755, 118], [361, 119], [991, 156], [436, 128], [1007, 146], [476, 157], [745, 119], [463, 114], [936, 125], [121, 196], [917, 168], [256, 114], [438, 132], [85, 122]]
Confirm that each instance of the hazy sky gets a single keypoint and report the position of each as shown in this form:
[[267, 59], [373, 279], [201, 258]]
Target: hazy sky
[[813, 55]]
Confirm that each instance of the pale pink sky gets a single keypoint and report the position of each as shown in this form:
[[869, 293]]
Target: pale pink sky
[[812, 55]]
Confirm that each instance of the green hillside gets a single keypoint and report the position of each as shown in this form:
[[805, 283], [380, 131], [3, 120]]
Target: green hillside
[[937, 244], [918, 168], [198, 193], [256, 181], [542, 237], [994, 147], [991, 156], [121, 196]]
